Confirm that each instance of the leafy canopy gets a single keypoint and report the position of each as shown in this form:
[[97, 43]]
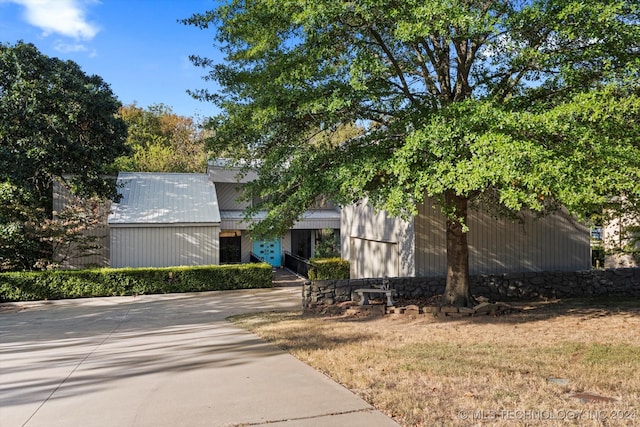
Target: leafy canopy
[[517, 103], [161, 141], [55, 122]]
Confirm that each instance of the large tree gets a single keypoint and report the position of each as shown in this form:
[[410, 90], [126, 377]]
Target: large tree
[[56, 123], [511, 104], [162, 141]]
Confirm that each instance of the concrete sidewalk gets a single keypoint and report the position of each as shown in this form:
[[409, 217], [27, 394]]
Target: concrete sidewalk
[[161, 360]]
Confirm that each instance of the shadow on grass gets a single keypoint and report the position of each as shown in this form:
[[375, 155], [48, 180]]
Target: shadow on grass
[[298, 336], [531, 311]]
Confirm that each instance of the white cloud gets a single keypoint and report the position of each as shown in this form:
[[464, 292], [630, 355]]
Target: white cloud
[[64, 47], [64, 17]]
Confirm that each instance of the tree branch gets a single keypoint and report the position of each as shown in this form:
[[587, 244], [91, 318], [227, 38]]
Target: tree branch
[[441, 65], [426, 75], [394, 62]]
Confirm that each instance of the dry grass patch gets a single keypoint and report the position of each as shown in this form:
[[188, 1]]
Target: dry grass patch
[[520, 369]]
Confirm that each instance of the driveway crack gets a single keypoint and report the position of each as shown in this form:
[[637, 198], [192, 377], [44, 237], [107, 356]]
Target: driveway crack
[[93, 350], [311, 417]]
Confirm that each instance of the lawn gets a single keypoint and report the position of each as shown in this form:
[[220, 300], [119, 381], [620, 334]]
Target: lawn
[[538, 366]]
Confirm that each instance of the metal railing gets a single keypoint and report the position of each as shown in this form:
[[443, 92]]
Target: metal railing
[[297, 264], [255, 258]]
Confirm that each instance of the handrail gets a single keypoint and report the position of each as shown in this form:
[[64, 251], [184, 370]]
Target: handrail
[[255, 258], [297, 264]]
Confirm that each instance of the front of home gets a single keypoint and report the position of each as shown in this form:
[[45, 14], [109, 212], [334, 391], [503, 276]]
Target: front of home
[[236, 243], [170, 219]]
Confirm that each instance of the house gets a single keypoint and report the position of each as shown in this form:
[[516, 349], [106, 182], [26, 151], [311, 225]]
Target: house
[[236, 243], [378, 245], [74, 257], [164, 219], [168, 219]]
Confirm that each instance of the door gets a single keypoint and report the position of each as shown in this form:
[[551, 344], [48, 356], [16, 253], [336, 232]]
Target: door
[[231, 249], [269, 251], [301, 243]]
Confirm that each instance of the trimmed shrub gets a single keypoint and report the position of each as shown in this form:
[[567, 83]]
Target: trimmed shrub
[[328, 269], [58, 284]]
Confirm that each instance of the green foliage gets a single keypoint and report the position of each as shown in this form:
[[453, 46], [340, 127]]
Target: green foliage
[[58, 284], [328, 245], [509, 104], [28, 239], [18, 245], [56, 122], [329, 269], [161, 141]]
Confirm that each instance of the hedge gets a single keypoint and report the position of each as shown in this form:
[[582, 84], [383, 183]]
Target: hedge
[[328, 269], [59, 284]]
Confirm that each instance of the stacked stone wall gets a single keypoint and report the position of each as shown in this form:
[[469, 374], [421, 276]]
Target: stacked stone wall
[[623, 282]]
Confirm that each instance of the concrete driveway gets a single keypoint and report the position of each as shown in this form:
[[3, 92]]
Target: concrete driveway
[[161, 360]]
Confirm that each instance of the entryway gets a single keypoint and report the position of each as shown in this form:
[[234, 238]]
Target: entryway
[[269, 251]]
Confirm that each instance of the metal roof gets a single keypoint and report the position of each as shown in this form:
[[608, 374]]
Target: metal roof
[[324, 214], [315, 219], [165, 198], [221, 173]]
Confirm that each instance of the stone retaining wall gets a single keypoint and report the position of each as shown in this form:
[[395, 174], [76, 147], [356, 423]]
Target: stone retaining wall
[[503, 287]]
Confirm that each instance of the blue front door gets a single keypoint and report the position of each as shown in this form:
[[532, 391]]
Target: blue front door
[[269, 251]]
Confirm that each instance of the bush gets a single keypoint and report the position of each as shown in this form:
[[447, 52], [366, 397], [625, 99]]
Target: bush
[[328, 269], [58, 284]]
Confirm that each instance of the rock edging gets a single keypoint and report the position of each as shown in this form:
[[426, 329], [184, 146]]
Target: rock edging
[[500, 287]]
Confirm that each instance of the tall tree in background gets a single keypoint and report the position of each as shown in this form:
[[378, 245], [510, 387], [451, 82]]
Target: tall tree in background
[[162, 141], [56, 122], [511, 104]]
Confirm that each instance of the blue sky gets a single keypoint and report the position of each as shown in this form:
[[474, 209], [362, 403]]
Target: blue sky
[[137, 46]]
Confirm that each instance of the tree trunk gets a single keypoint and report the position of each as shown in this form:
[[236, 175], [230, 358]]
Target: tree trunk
[[457, 291]]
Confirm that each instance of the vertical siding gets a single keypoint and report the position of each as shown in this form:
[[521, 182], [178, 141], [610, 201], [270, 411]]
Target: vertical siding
[[370, 258], [431, 246], [496, 245], [286, 243], [228, 194], [550, 243], [99, 257], [246, 244], [164, 246], [360, 222]]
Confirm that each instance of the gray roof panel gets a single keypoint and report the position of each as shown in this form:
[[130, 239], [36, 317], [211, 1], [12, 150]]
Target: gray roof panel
[[165, 198]]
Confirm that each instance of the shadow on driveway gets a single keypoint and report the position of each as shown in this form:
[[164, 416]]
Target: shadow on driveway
[[78, 348]]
